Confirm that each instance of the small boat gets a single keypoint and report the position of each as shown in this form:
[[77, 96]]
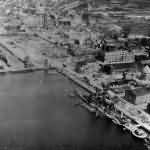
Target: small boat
[[88, 107], [122, 121], [136, 130], [129, 125], [114, 118], [116, 121], [119, 119], [139, 133], [85, 103]]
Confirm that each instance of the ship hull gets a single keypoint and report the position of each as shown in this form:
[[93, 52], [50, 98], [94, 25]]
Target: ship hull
[[94, 108]]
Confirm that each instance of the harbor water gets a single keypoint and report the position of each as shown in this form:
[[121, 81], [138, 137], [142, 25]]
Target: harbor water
[[37, 111]]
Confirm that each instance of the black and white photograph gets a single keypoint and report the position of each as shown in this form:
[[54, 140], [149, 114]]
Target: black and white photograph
[[74, 74]]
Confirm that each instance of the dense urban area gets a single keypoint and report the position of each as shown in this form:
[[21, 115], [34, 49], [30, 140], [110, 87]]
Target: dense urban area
[[102, 46]]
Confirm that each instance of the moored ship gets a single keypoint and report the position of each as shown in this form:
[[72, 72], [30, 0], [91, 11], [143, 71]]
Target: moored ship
[[107, 108]]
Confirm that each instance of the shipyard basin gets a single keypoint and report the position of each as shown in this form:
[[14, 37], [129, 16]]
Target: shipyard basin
[[37, 112]]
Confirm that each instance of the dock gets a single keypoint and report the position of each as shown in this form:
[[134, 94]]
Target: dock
[[128, 109], [133, 112], [23, 70], [73, 78]]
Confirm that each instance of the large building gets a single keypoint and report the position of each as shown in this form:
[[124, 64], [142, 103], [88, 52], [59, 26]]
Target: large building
[[119, 57]]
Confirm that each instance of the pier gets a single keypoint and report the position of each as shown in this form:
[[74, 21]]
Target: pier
[[128, 109]]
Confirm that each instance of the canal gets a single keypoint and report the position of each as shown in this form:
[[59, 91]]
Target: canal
[[37, 112]]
